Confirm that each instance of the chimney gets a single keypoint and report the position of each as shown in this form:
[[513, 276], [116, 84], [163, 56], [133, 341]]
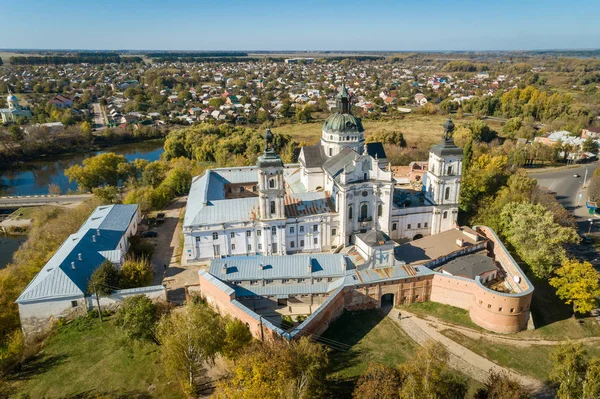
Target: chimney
[[98, 232], [80, 257], [310, 264], [225, 268], [73, 265], [94, 238], [261, 266], [460, 242]]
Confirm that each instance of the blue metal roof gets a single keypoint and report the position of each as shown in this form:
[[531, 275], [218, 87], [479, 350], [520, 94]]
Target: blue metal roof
[[64, 275]]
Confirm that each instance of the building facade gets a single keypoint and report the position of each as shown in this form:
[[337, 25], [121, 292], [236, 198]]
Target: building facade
[[341, 188], [14, 112]]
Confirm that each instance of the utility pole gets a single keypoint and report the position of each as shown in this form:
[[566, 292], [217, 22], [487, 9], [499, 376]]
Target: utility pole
[[98, 301]]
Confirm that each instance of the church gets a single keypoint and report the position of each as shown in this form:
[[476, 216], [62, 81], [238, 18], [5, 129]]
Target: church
[[340, 194], [14, 111]]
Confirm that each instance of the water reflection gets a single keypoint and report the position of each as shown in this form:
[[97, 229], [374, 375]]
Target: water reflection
[[8, 246]]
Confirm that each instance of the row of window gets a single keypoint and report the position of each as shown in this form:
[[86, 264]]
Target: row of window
[[285, 281], [409, 226], [315, 228], [512, 310], [364, 211]]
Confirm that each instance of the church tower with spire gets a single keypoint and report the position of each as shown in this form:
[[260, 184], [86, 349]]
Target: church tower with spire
[[342, 129], [443, 180], [271, 188]]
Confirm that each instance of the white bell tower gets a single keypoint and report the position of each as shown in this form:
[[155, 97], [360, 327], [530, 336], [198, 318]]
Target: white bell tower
[[271, 188], [443, 181]]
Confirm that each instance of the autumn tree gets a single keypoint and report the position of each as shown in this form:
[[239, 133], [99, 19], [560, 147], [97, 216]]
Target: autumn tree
[[137, 317], [104, 279], [591, 384], [568, 370], [101, 170], [536, 237], [135, 273], [577, 283], [486, 174], [190, 339], [378, 382], [499, 385], [237, 338]]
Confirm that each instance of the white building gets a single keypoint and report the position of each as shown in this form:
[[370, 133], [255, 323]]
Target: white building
[[14, 111], [341, 188]]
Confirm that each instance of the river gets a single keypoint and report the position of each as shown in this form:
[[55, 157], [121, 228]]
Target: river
[[33, 178]]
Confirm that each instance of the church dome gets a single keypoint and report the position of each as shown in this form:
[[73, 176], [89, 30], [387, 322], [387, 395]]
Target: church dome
[[343, 123], [11, 98]]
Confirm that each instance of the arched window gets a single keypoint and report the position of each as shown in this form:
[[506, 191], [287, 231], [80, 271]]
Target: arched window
[[350, 212], [445, 214], [242, 189], [447, 193], [272, 207], [379, 210], [330, 137], [272, 183], [347, 138], [365, 176], [449, 171], [254, 188], [364, 210], [330, 151]]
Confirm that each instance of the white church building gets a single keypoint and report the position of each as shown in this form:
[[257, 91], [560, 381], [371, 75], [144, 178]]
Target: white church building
[[14, 112], [341, 193]]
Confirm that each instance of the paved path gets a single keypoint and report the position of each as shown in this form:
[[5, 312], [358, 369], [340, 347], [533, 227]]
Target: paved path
[[461, 358], [100, 121], [34, 200]]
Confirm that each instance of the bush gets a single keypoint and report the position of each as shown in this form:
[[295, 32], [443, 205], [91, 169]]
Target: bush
[[140, 248], [135, 273], [137, 317], [104, 280]]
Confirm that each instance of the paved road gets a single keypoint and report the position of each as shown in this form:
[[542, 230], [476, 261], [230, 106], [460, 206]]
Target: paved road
[[99, 120], [34, 200]]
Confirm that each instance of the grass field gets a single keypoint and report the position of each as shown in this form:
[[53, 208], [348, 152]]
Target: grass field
[[449, 314], [532, 360], [26, 212], [89, 359]]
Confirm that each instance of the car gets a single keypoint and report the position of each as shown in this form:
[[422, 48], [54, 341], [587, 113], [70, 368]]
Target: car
[[149, 234], [576, 175], [160, 217]]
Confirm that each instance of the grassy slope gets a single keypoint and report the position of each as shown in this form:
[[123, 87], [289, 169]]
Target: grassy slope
[[87, 358], [446, 313]]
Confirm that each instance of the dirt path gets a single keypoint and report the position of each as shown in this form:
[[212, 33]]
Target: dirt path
[[461, 358]]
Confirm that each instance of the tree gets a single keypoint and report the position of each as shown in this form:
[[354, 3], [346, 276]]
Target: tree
[[467, 154], [277, 369], [190, 339], [568, 370], [136, 273], [486, 174], [591, 385], [538, 240], [107, 194], [15, 132], [137, 317], [589, 145], [238, 337], [101, 170], [500, 385], [378, 382], [54, 189], [104, 280], [86, 128], [577, 283], [593, 191]]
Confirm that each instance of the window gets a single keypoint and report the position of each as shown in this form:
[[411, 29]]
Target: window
[[301, 243], [73, 304], [425, 224], [259, 233], [408, 226], [197, 239], [364, 210], [268, 281], [271, 183], [349, 213], [445, 214], [229, 190], [241, 189], [300, 280], [331, 152], [394, 227], [253, 282], [333, 232], [499, 309], [292, 244], [260, 247], [365, 176], [284, 280], [291, 230], [418, 225], [272, 210], [274, 230], [512, 310], [249, 247], [215, 236], [447, 193], [449, 170], [301, 229], [315, 227], [316, 240], [274, 247], [248, 233], [480, 302], [489, 306], [232, 235], [254, 188], [232, 246], [318, 280], [379, 210]]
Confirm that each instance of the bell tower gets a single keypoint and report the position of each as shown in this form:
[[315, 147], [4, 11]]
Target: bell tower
[[271, 188], [443, 180]]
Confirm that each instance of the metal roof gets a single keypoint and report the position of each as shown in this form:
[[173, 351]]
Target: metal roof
[[469, 266], [65, 275], [239, 268], [335, 165], [309, 203]]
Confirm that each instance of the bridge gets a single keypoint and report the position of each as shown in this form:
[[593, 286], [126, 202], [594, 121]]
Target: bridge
[[39, 200]]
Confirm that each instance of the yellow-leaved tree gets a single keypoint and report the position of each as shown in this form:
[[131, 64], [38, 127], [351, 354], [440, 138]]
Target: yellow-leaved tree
[[577, 283]]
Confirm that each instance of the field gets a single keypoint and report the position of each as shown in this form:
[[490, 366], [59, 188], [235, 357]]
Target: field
[[89, 359], [448, 314], [5, 55]]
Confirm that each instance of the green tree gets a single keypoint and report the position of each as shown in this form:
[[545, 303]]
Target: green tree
[[190, 339], [135, 273], [486, 174], [107, 194], [591, 385], [568, 370], [536, 237], [238, 337], [589, 145], [16, 133], [577, 283], [378, 382], [101, 170], [104, 279], [137, 317]]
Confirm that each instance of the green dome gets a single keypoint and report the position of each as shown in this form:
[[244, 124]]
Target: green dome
[[343, 123]]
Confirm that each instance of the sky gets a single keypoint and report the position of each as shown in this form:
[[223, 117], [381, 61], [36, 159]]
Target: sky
[[367, 25]]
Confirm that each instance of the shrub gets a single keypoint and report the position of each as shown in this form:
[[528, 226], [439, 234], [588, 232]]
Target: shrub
[[137, 317], [104, 280], [135, 273]]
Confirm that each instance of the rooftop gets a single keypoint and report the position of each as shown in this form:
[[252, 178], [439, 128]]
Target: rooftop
[[469, 266], [435, 246]]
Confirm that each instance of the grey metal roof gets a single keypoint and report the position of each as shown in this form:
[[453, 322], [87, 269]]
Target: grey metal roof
[[239, 268], [375, 238], [314, 156], [335, 165], [216, 282], [64, 275], [282, 289], [446, 147], [469, 266], [226, 211]]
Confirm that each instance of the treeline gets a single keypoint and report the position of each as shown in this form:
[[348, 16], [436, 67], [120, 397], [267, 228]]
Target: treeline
[[209, 54], [83, 58], [216, 59], [464, 66], [225, 144]]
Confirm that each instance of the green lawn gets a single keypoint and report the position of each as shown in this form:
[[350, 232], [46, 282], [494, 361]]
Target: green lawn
[[533, 360], [89, 359], [26, 212], [446, 313]]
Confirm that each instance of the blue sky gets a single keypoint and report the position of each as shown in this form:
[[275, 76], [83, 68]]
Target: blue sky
[[300, 25]]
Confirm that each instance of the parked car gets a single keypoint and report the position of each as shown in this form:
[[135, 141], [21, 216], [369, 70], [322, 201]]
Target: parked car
[[160, 217], [576, 175], [149, 234]]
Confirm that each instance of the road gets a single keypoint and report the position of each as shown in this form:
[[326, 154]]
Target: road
[[35, 200], [569, 191], [99, 117]]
